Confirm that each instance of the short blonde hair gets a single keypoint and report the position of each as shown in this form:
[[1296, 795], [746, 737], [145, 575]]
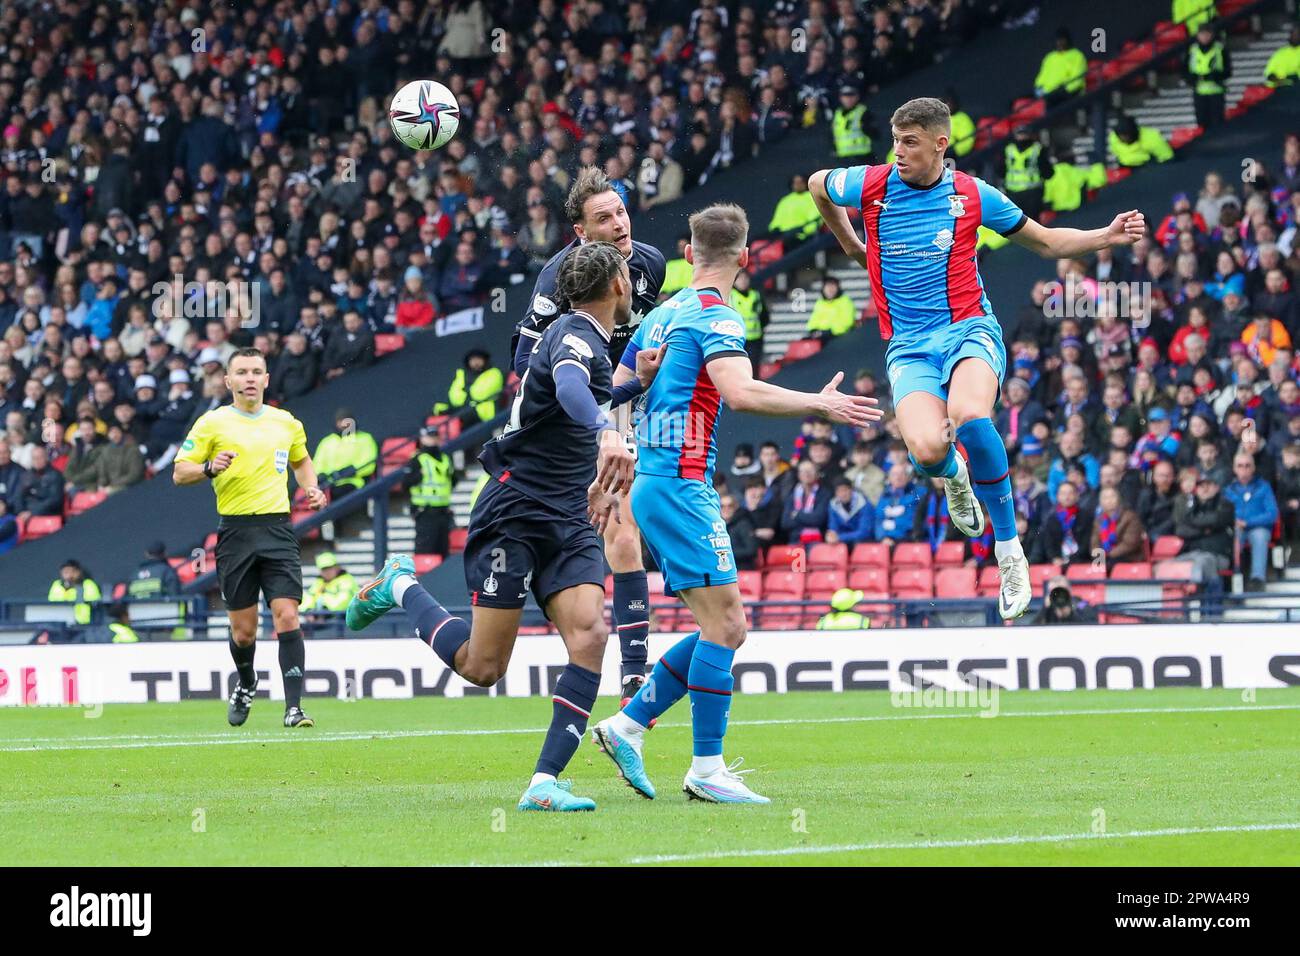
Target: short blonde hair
[[719, 233]]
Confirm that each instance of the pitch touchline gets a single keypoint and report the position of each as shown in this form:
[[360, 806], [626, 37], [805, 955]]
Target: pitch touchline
[[949, 844], [142, 741]]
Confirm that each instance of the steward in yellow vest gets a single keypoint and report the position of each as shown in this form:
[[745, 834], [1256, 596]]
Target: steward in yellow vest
[[842, 616], [1064, 191], [833, 314], [1063, 72], [677, 272], [1192, 13], [346, 458], [333, 589], [851, 129], [1208, 69], [748, 301], [1025, 168], [430, 476], [796, 214], [474, 390], [1134, 146], [1283, 67], [72, 586]]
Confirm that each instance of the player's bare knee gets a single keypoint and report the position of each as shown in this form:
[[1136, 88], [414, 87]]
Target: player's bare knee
[[730, 631], [243, 636], [929, 451], [483, 673], [623, 549], [285, 621], [961, 413]]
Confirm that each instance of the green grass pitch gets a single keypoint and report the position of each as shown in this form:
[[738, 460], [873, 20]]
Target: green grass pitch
[[1174, 776]]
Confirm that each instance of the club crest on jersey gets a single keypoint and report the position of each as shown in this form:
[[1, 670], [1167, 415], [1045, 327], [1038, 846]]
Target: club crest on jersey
[[724, 560], [943, 239], [955, 207], [641, 285], [578, 346], [727, 327], [544, 306], [281, 460]]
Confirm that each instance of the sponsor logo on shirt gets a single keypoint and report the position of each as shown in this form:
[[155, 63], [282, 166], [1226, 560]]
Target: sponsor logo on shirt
[[727, 327], [544, 306], [943, 239], [577, 345]]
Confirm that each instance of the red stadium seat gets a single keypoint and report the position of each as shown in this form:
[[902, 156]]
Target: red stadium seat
[[83, 501], [786, 583], [210, 542], [38, 526], [654, 581], [990, 582], [1086, 572], [751, 585], [785, 557], [1178, 574], [386, 342], [424, 563], [822, 584], [1180, 137], [959, 582], [870, 555], [1131, 571], [800, 349], [912, 555], [767, 369], [872, 582], [1038, 575], [911, 583], [1092, 593], [457, 539], [1166, 546], [950, 553], [828, 557]]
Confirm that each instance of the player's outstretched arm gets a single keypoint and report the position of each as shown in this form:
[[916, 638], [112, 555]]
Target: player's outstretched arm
[[837, 219], [1064, 243], [733, 376]]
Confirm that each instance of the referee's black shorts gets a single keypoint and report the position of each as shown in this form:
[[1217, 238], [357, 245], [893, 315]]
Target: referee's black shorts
[[258, 553]]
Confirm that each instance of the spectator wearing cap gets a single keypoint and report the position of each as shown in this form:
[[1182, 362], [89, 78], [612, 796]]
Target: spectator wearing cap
[[346, 458], [1159, 443], [155, 578], [1256, 513], [415, 308], [168, 427], [333, 589], [851, 128], [74, 586], [1205, 520]]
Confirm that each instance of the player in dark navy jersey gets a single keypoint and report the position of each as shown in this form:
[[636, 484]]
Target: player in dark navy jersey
[[598, 215], [529, 530]]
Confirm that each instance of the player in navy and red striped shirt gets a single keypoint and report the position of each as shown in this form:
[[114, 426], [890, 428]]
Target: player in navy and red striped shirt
[[945, 358]]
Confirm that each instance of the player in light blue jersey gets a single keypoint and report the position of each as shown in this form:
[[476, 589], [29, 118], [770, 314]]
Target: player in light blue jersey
[[703, 363], [945, 358]]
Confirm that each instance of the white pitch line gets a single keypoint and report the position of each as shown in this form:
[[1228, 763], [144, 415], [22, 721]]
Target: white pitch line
[[951, 844], [144, 741]]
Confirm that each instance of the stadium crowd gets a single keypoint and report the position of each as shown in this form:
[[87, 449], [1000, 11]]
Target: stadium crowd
[[180, 179], [1151, 392]]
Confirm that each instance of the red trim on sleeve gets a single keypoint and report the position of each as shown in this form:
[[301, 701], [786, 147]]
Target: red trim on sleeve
[[965, 296], [873, 188]]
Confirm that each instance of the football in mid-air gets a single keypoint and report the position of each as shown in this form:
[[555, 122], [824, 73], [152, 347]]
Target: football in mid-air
[[424, 114]]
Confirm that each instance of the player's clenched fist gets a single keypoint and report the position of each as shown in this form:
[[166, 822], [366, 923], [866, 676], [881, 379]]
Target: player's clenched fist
[[1127, 228], [647, 364], [221, 462], [856, 410]]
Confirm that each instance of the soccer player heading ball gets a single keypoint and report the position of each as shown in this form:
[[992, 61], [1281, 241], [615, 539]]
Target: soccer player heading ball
[[945, 357]]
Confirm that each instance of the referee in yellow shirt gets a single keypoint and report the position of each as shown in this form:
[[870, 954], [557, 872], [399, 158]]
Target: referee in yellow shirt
[[246, 450]]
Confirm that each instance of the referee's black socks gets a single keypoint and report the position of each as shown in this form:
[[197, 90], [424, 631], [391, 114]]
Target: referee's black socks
[[243, 657], [293, 659]]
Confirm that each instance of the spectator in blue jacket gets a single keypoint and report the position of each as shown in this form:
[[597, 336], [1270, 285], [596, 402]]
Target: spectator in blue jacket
[[1256, 509], [896, 509], [852, 518], [806, 507], [1159, 444], [462, 281], [1069, 452]]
